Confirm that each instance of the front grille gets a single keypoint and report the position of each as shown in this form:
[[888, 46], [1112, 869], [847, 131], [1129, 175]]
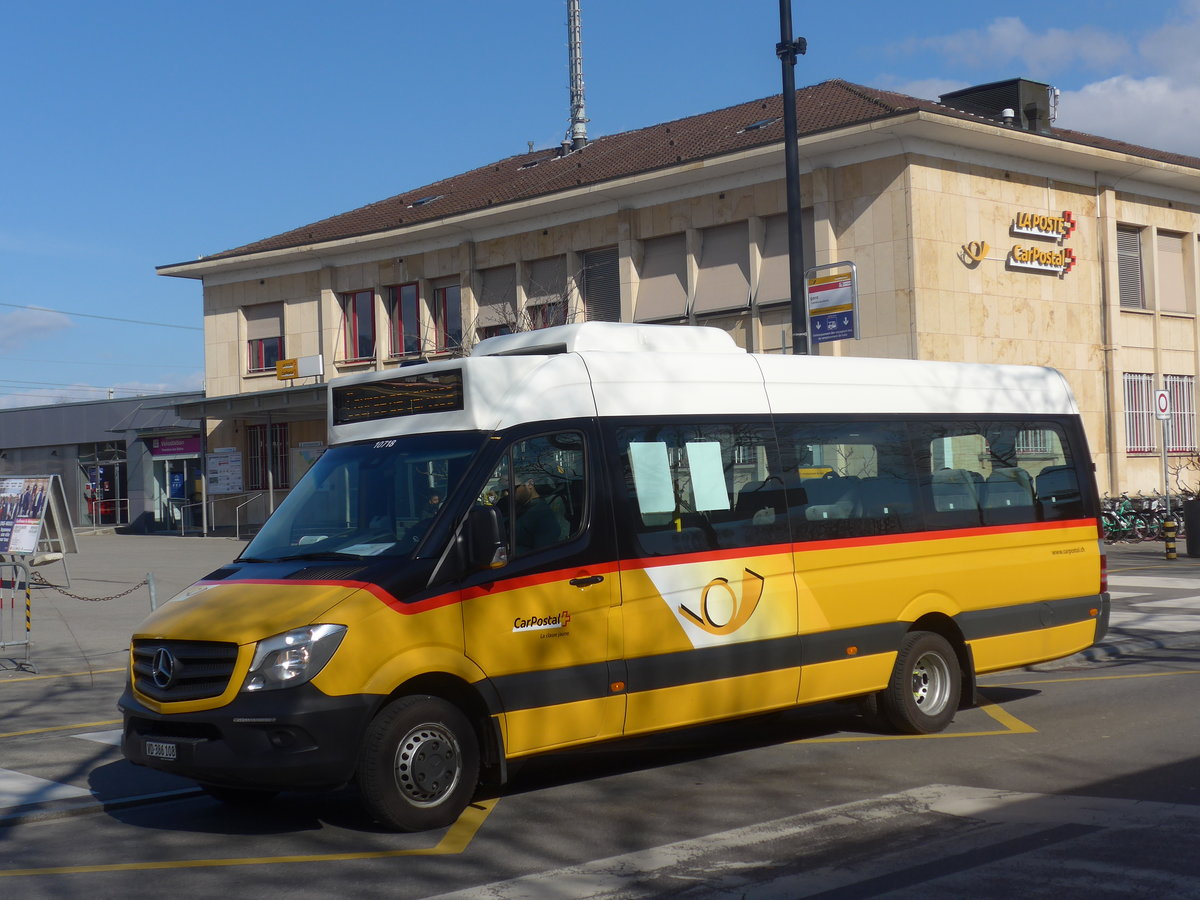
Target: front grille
[[187, 670]]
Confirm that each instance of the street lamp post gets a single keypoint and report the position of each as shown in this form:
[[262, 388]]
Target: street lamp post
[[787, 50]]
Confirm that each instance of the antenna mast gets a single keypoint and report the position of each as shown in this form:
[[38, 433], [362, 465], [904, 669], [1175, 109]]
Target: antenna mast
[[577, 135]]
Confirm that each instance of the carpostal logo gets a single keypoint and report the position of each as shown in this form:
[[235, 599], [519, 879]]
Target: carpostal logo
[[712, 605], [1061, 261], [1038, 225], [542, 623]]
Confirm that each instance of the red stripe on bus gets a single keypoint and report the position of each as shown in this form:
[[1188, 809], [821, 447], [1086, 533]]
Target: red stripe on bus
[[540, 578]]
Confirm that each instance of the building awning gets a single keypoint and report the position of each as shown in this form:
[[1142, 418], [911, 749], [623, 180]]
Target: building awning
[[292, 404]]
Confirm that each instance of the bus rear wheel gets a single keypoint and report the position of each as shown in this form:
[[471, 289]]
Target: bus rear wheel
[[419, 764], [923, 693]]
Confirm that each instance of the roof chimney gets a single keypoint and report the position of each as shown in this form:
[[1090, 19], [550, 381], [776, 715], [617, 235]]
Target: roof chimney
[[577, 134]]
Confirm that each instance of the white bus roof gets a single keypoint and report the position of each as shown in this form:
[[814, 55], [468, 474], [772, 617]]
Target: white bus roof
[[611, 369]]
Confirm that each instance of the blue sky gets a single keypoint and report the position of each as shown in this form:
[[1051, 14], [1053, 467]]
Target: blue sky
[[137, 134]]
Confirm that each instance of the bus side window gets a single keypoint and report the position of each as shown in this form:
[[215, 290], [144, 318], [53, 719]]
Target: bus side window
[[540, 490], [848, 479], [1058, 493], [690, 488]]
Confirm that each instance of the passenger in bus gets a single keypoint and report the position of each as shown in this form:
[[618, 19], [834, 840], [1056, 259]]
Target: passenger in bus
[[538, 525]]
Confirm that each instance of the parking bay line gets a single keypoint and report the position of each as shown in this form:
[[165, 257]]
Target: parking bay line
[[456, 839], [1012, 725]]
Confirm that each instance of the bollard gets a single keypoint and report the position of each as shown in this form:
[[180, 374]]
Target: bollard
[[1169, 538], [153, 592]]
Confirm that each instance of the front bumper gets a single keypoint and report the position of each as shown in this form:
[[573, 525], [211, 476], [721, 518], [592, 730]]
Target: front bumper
[[294, 738]]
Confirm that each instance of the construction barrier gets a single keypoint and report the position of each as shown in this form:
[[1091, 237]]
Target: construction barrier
[[16, 615]]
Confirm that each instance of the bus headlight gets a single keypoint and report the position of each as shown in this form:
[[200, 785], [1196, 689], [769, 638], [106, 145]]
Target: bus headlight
[[292, 658]]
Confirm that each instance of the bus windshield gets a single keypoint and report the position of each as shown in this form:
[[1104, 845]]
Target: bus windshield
[[377, 498]]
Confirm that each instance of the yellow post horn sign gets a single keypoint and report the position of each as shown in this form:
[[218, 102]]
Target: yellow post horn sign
[[976, 250]]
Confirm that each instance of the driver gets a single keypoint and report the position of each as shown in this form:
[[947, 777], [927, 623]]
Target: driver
[[538, 524]]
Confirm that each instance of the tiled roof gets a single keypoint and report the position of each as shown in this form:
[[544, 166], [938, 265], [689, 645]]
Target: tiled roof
[[822, 107]]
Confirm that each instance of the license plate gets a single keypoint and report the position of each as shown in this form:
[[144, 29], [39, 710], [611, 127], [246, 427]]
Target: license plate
[[160, 750]]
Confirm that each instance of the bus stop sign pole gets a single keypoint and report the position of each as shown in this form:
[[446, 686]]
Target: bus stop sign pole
[[787, 50], [1162, 411]]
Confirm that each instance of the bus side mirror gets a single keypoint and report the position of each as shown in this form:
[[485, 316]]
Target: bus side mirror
[[485, 549]]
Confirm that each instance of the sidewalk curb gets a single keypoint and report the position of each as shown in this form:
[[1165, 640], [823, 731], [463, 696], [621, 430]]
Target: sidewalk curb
[[1120, 647]]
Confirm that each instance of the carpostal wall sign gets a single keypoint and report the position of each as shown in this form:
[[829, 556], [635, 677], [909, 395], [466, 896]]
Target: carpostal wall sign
[[1030, 256], [1041, 258]]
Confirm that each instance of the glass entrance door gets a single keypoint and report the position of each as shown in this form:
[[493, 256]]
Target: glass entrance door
[[176, 495]]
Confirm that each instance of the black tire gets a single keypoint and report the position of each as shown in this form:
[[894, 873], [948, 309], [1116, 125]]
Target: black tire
[[926, 684], [237, 796], [419, 765]]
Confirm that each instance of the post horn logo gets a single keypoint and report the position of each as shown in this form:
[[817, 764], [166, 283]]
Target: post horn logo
[[976, 250], [724, 622]]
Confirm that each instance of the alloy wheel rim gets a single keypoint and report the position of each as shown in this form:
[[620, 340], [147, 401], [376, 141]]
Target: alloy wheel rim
[[931, 683]]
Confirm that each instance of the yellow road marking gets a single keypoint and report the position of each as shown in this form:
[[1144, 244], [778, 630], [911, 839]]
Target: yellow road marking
[[1004, 717], [455, 841], [1095, 678], [9, 734], [63, 675], [1012, 725], [1113, 570]]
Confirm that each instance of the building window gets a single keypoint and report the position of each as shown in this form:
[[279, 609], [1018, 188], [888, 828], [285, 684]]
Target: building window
[[723, 277], [483, 332], [262, 445], [662, 279], [775, 273], [546, 315], [447, 317], [600, 284], [546, 292], [1139, 412], [264, 336], [404, 311], [1181, 427], [1129, 266], [358, 318], [1172, 281], [496, 303]]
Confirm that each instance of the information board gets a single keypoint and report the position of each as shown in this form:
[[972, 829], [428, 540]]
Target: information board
[[832, 303], [224, 473], [30, 504]]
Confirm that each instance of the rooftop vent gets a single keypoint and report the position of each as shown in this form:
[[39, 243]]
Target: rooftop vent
[[1031, 105]]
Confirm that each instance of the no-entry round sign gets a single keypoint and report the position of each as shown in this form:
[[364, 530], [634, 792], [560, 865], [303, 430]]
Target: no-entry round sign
[[1162, 404]]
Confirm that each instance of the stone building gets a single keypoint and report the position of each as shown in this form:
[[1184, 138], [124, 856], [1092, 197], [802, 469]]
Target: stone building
[[981, 232]]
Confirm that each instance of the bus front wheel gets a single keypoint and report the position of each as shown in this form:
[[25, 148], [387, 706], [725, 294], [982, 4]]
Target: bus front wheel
[[923, 693], [419, 765]]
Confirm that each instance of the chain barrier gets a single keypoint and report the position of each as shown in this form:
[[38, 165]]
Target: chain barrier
[[39, 579]]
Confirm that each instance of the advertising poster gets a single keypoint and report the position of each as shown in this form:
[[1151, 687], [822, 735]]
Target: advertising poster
[[224, 473], [22, 506]]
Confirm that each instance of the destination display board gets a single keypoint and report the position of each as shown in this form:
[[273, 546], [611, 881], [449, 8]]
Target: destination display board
[[405, 396]]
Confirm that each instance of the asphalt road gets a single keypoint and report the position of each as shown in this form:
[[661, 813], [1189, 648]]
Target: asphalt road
[[1077, 778]]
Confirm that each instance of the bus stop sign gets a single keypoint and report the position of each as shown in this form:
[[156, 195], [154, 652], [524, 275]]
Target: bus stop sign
[[1162, 405], [832, 303]]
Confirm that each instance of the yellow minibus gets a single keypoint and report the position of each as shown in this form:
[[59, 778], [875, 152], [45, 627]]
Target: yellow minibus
[[601, 530]]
